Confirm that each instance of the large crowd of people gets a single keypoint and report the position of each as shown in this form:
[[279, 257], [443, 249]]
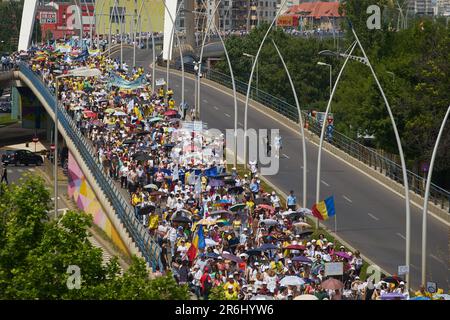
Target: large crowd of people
[[220, 230]]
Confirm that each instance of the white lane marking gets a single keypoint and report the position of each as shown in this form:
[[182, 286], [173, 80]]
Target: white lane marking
[[32, 170], [436, 258], [401, 236], [240, 123], [177, 86], [325, 183], [347, 198], [20, 170], [216, 108], [53, 198], [205, 101], [227, 115], [373, 217], [286, 156], [414, 266]]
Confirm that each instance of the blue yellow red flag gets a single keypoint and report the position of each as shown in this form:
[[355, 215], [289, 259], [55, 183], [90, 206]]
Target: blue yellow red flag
[[324, 209]]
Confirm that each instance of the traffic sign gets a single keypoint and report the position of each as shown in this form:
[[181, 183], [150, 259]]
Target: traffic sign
[[35, 139], [334, 269], [431, 287], [403, 270]]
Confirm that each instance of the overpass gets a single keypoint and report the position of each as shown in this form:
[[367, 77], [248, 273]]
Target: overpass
[[131, 233], [369, 204]]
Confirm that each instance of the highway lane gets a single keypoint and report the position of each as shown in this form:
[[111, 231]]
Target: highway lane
[[369, 216]]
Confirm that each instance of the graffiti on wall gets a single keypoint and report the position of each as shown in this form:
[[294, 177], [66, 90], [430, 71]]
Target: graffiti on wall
[[83, 195]]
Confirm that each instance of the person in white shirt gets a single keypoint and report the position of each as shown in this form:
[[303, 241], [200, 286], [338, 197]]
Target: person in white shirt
[[275, 200], [179, 205]]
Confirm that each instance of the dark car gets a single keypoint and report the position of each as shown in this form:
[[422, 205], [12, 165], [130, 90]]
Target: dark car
[[18, 157]]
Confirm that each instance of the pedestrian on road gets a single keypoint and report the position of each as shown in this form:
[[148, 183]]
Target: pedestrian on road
[[292, 201], [4, 172]]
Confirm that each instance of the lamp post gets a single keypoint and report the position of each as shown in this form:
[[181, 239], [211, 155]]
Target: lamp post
[[365, 60], [257, 69], [331, 73], [79, 72], [425, 201]]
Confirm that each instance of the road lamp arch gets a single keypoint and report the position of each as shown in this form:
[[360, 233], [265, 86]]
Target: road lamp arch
[[365, 60], [247, 97], [302, 132]]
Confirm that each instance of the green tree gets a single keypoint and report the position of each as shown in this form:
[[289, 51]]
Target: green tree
[[35, 254]]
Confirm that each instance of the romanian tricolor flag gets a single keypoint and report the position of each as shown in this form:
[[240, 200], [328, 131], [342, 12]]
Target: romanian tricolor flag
[[324, 209], [198, 242]]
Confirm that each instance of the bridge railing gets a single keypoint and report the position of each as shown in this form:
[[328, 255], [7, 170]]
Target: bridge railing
[[370, 157], [143, 240]]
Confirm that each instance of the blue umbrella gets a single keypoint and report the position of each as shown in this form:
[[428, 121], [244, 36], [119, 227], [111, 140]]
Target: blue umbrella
[[267, 246], [393, 296], [302, 259], [420, 298], [212, 255]]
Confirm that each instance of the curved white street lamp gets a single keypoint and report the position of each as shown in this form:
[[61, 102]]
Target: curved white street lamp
[[300, 122], [235, 151], [425, 200], [247, 97], [365, 60]]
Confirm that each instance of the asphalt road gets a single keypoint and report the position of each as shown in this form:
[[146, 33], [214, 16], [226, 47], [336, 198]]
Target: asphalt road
[[369, 216]]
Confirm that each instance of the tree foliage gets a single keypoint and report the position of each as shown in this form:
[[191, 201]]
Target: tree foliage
[[35, 254]]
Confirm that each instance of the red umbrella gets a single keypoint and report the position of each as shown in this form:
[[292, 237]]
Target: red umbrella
[[90, 114], [332, 284], [266, 207], [295, 247], [170, 113]]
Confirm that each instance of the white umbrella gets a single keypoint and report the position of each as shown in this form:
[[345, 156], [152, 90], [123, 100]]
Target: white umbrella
[[305, 211], [306, 297], [269, 222], [261, 297], [119, 113], [210, 242], [291, 281]]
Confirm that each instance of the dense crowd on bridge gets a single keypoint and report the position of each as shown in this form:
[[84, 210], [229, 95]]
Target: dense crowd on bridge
[[220, 231]]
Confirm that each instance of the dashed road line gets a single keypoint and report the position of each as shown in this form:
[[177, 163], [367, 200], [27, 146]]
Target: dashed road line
[[286, 156], [205, 101], [32, 170], [240, 123], [227, 115], [348, 199], [373, 217], [216, 108], [325, 183], [436, 258], [401, 236]]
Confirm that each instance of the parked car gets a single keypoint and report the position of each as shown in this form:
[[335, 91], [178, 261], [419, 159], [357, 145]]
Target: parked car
[[19, 157]]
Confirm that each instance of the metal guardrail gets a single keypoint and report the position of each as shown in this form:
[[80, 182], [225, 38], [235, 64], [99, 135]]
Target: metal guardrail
[[370, 157], [145, 243]]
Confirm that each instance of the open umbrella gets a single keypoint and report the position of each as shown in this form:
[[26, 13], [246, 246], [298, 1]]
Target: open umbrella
[[291, 281], [267, 246], [301, 259], [302, 225], [441, 296], [129, 141], [295, 247], [156, 193], [263, 200], [344, 255], [262, 297], [269, 222], [235, 190], [110, 110], [181, 219], [392, 279], [210, 242], [237, 207], [119, 114], [98, 123], [219, 212], [306, 297], [266, 207], [232, 257], [223, 222], [332, 284], [392, 296], [170, 113], [306, 233], [155, 119], [212, 255], [89, 114], [420, 298], [142, 157], [151, 186]]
